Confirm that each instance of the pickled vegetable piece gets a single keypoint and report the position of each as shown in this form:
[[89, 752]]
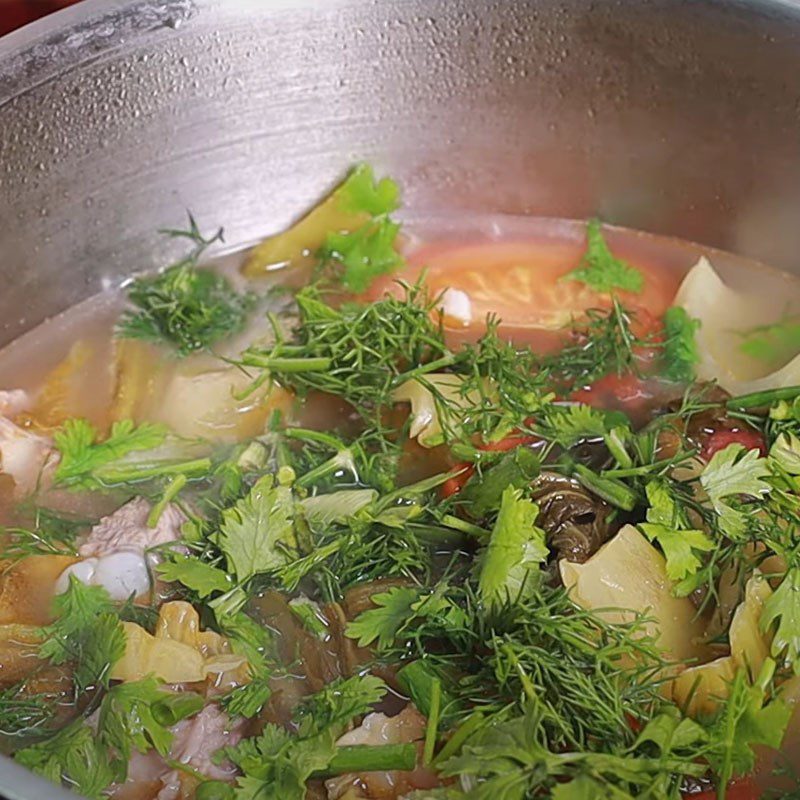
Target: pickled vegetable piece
[[347, 208], [629, 575]]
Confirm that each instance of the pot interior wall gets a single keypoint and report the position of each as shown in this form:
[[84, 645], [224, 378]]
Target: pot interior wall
[[116, 118]]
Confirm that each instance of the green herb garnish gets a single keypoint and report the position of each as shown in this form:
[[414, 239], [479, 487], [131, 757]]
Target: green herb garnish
[[122, 457], [680, 347], [86, 632], [186, 307], [600, 269]]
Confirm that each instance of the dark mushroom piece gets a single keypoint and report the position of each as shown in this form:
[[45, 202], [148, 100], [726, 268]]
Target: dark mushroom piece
[[695, 430], [575, 520]]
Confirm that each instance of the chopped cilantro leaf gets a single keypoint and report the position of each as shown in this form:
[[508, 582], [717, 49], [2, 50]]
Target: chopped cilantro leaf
[[730, 473], [276, 765], [600, 269], [680, 548], [126, 721], [679, 544], [362, 194], [83, 457], [247, 700], [567, 425], [781, 614], [512, 561], [129, 454], [510, 760], [483, 493], [357, 256], [680, 347], [748, 718], [91, 757], [74, 756], [257, 534], [87, 632], [383, 623], [363, 254], [194, 574], [338, 703]]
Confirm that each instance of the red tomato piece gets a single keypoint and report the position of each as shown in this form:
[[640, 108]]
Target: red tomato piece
[[509, 443], [719, 440], [455, 484], [521, 283]]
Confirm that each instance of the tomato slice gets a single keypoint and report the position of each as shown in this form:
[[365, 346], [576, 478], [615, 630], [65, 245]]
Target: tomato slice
[[520, 281], [719, 440]]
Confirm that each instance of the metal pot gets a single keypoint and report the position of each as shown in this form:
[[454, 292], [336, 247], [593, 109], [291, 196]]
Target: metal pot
[[116, 116]]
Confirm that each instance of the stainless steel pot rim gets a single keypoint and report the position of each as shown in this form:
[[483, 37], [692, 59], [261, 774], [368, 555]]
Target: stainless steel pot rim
[[519, 106], [47, 48]]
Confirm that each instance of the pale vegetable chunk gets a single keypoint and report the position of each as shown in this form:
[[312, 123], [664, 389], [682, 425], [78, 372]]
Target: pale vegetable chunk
[[426, 397], [377, 729], [207, 403], [701, 689], [724, 315], [193, 397], [178, 652], [749, 645], [628, 576]]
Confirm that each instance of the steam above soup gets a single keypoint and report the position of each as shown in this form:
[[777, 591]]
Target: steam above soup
[[482, 507]]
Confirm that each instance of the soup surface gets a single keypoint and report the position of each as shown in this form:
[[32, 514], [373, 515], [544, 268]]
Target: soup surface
[[479, 507]]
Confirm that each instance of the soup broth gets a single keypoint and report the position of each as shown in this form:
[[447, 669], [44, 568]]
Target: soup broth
[[483, 505]]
